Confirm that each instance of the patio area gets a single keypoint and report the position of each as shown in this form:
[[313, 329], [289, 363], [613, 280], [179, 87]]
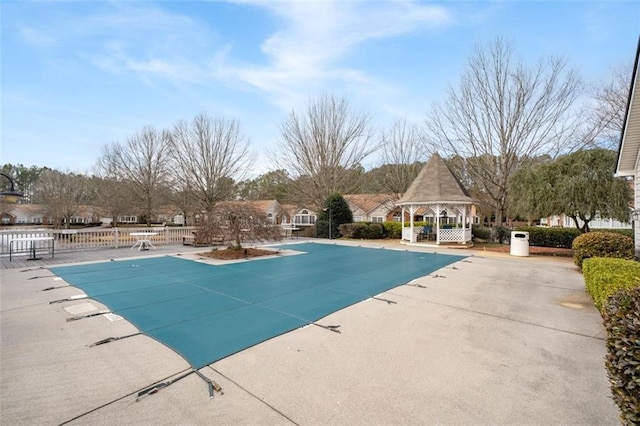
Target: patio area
[[492, 339]]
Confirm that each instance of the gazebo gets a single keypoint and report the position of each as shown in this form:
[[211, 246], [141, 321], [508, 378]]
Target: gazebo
[[442, 200]]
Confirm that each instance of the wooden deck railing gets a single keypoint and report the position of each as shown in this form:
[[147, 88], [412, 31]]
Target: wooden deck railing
[[92, 238]]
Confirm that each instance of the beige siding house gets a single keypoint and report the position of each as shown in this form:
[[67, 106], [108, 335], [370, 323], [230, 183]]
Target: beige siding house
[[371, 207]]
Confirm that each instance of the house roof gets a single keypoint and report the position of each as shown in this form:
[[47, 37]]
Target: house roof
[[26, 210], [263, 205], [260, 205], [436, 183], [292, 209], [630, 137], [369, 202]]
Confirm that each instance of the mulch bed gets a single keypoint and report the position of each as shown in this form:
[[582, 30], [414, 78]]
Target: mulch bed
[[234, 254], [542, 251]]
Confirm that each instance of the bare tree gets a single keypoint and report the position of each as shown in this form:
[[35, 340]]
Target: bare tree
[[401, 154], [62, 194], [143, 165], [112, 193], [323, 148], [503, 114], [607, 119], [237, 222], [209, 153]]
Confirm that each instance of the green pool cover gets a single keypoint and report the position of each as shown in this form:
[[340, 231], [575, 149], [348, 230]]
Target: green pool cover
[[206, 312]]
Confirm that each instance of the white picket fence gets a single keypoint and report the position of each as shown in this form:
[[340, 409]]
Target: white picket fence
[[90, 238], [454, 235]]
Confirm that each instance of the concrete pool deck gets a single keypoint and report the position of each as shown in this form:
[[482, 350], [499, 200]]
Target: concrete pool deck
[[491, 339]]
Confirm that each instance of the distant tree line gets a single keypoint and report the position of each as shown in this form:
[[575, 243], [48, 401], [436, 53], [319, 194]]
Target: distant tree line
[[500, 130]]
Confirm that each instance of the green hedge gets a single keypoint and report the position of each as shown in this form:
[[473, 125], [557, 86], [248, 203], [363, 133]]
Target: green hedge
[[392, 230], [627, 232], [481, 232], [602, 244], [550, 237], [604, 277], [562, 237], [622, 321], [362, 230]]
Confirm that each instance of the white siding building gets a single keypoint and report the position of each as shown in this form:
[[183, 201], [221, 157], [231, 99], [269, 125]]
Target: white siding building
[[629, 150]]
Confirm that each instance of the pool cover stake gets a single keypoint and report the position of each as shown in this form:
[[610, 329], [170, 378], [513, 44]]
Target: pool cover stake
[[112, 339], [210, 384], [88, 316]]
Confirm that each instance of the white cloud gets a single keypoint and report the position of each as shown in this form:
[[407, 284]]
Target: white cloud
[[306, 53], [35, 37]]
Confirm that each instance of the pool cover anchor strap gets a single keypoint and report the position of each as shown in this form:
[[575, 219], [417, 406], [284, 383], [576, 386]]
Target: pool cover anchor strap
[[155, 388], [389, 302], [212, 386], [112, 339], [416, 285], [40, 276], [54, 288], [333, 328], [69, 299], [88, 316]]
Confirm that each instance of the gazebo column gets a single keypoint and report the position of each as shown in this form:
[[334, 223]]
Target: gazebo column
[[437, 214], [464, 223], [409, 235], [412, 211]]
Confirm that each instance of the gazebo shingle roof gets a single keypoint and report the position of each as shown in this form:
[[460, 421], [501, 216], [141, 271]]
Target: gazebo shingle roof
[[435, 183]]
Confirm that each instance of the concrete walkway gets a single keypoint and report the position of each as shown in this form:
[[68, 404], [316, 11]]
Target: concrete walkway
[[492, 339]]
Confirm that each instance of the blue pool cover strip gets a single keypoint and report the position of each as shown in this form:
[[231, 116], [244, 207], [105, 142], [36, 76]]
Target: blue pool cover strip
[[207, 312]]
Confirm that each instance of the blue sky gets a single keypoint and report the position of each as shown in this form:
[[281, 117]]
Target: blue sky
[[79, 74]]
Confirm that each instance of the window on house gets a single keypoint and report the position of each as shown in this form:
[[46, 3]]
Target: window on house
[[6, 220], [37, 220], [22, 219], [358, 219], [127, 219], [378, 219], [304, 218]]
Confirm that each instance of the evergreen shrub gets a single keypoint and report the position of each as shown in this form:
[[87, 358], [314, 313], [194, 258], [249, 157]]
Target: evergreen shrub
[[501, 234], [627, 232], [551, 237], [601, 244], [362, 230], [481, 232], [604, 277], [392, 230], [622, 322]]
